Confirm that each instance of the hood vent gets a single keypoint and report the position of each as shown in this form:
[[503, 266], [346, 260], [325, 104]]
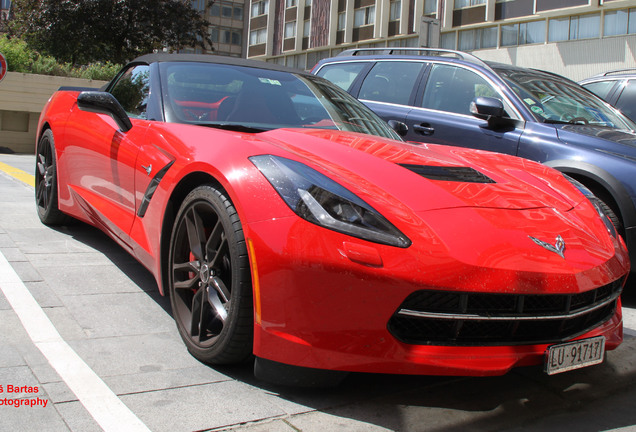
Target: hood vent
[[442, 173]]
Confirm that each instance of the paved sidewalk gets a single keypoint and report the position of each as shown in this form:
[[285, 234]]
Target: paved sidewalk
[[105, 306]]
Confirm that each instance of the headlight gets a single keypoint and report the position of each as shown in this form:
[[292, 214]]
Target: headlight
[[597, 203], [320, 200]]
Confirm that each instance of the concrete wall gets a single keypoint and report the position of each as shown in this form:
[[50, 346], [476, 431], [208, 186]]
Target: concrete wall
[[574, 59], [22, 97]]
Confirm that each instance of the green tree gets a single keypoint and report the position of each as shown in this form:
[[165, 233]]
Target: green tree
[[83, 31]]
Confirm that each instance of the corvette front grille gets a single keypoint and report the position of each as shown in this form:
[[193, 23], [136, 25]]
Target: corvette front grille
[[471, 319]]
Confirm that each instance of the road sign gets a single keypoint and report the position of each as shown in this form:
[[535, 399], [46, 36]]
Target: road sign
[[3, 66]]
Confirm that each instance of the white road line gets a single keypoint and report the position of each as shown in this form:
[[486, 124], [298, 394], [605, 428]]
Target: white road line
[[99, 400]]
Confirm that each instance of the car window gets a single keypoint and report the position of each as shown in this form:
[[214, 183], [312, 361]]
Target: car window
[[342, 74], [132, 90], [627, 100], [600, 88], [452, 89], [254, 100], [553, 99], [391, 82]]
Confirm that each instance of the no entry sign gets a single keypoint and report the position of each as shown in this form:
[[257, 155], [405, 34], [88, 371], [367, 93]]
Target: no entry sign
[[3, 66]]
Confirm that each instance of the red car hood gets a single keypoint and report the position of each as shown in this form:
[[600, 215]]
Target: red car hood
[[424, 176]]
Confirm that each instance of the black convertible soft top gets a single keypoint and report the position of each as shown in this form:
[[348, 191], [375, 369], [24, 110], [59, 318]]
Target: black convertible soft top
[[213, 58]]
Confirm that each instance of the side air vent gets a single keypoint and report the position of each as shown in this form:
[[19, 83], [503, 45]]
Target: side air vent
[[457, 174]]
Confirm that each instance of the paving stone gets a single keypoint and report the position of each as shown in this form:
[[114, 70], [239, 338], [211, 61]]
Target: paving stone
[[10, 356], [122, 314], [218, 405], [31, 419], [164, 379], [45, 297], [128, 355], [13, 254], [77, 418], [97, 279], [26, 272], [20, 378]]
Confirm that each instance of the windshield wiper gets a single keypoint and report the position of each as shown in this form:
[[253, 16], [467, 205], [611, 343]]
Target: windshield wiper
[[236, 127]]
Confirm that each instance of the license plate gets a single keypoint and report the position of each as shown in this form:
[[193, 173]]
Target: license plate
[[574, 355]]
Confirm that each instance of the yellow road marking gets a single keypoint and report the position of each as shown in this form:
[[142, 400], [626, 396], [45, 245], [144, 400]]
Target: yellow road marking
[[18, 174]]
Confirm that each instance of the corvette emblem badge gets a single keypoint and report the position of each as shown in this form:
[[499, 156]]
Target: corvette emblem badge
[[558, 247]]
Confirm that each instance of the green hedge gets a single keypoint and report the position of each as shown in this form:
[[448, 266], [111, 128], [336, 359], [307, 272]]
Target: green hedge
[[20, 58]]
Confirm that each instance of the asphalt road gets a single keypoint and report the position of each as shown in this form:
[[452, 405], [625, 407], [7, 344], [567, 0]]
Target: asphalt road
[[88, 344]]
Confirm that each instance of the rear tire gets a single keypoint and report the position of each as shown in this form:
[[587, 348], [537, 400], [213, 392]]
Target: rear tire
[[46, 193]]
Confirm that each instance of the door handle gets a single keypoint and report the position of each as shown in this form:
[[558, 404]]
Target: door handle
[[424, 129]]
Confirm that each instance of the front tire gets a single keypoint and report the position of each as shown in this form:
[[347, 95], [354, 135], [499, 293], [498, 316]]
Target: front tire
[[209, 279], [46, 182]]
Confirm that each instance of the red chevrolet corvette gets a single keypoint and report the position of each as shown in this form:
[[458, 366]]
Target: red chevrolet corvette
[[286, 221]]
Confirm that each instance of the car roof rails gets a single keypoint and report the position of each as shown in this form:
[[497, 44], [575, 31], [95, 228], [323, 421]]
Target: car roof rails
[[392, 50], [617, 71]]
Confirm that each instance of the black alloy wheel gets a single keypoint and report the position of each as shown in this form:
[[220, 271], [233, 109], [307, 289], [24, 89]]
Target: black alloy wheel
[[210, 284], [46, 182]]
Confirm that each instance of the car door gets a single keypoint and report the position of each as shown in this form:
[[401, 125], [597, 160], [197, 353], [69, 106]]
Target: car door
[[390, 88], [101, 158], [442, 112]]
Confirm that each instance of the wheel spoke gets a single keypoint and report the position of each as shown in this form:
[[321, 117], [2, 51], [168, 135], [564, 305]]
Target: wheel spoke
[[196, 233], [50, 170], [218, 306], [191, 268], [41, 194], [41, 164], [195, 317], [220, 288], [213, 243]]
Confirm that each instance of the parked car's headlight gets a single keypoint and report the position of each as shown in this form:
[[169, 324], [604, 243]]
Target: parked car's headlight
[[320, 200], [596, 202]]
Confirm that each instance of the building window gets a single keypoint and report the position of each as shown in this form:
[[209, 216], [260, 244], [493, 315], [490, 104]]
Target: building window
[[619, 22], [196, 4], [290, 29], [395, 10], [575, 27], [523, 33], [260, 8], [290, 3], [227, 10], [448, 40], [430, 7], [364, 16], [258, 36], [342, 20], [478, 38], [459, 4], [306, 28]]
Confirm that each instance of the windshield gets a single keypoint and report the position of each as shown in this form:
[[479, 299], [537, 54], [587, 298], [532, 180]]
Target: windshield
[[254, 100], [554, 100]]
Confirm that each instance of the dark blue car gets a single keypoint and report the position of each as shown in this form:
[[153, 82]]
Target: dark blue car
[[454, 98]]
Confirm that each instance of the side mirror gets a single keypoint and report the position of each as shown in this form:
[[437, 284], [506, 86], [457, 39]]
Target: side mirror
[[486, 108], [401, 128], [491, 110], [104, 103]]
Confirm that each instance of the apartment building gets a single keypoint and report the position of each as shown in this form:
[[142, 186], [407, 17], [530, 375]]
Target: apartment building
[[576, 38], [228, 24]]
